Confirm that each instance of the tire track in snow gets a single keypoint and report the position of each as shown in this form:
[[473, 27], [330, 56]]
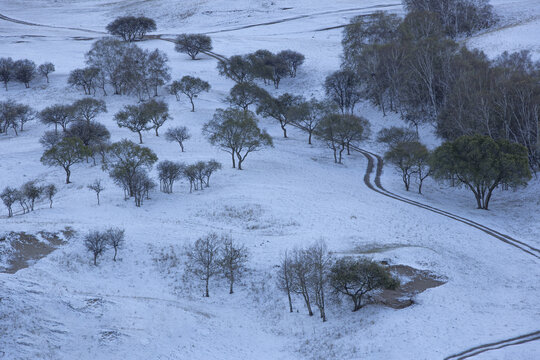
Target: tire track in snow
[[494, 346]]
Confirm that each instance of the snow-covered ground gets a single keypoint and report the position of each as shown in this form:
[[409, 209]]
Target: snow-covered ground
[[140, 307]]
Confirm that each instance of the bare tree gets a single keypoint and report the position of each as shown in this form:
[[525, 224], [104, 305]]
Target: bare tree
[[50, 190], [232, 260], [97, 187], [320, 261], [292, 59], [203, 259], [285, 277], [116, 238], [96, 243], [86, 79], [45, 69], [178, 134], [301, 269], [343, 87]]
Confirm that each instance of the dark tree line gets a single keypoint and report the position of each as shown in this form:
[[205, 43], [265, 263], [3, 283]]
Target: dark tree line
[[262, 65], [23, 71]]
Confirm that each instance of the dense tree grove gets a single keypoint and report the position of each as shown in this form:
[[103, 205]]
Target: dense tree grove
[[127, 68], [457, 16], [131, 28], [411, 66]]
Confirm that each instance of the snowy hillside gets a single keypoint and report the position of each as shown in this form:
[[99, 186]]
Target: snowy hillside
[[142, 307]]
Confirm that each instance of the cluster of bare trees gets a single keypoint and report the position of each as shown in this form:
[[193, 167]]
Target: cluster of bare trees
[[14, 115], [197, 174], [23, 71], [27, 195], [412, 67], [312, 273], [216, 255], [263, 65], [125, 67], [97, 242]]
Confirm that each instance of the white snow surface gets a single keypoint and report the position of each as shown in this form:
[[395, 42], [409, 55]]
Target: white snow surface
[[63, 307]]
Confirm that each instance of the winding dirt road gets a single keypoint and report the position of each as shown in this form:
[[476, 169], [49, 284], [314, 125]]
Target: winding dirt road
[[375, 163]]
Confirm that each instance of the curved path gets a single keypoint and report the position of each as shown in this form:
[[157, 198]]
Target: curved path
[[377, 187]]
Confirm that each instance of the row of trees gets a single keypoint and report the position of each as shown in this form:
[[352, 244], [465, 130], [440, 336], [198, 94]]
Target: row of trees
[[125, 67], [412, 67], [97, 242], [23, 71], [27, 195], [213, 255], [263, 65], [313, 272], [197, 174]]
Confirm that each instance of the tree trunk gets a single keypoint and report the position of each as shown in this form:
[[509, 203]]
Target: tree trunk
[[68, 173], [284, 129], [97, 198], [231, 285], [156, 128], [309, 138], [192, 105], [233, 160], [140, 137], [95, 259], [207, 294], [115, 251]]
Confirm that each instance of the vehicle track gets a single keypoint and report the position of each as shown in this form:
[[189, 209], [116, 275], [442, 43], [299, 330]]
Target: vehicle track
[[494, 346], [524, 247], [529, 249]]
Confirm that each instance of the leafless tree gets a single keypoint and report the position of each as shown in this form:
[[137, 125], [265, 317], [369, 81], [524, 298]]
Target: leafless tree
[[285, 277], [96, 243], [232, 260], [96, 186], [203, 259], [178, 134], [45, 69], [116, 238]]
